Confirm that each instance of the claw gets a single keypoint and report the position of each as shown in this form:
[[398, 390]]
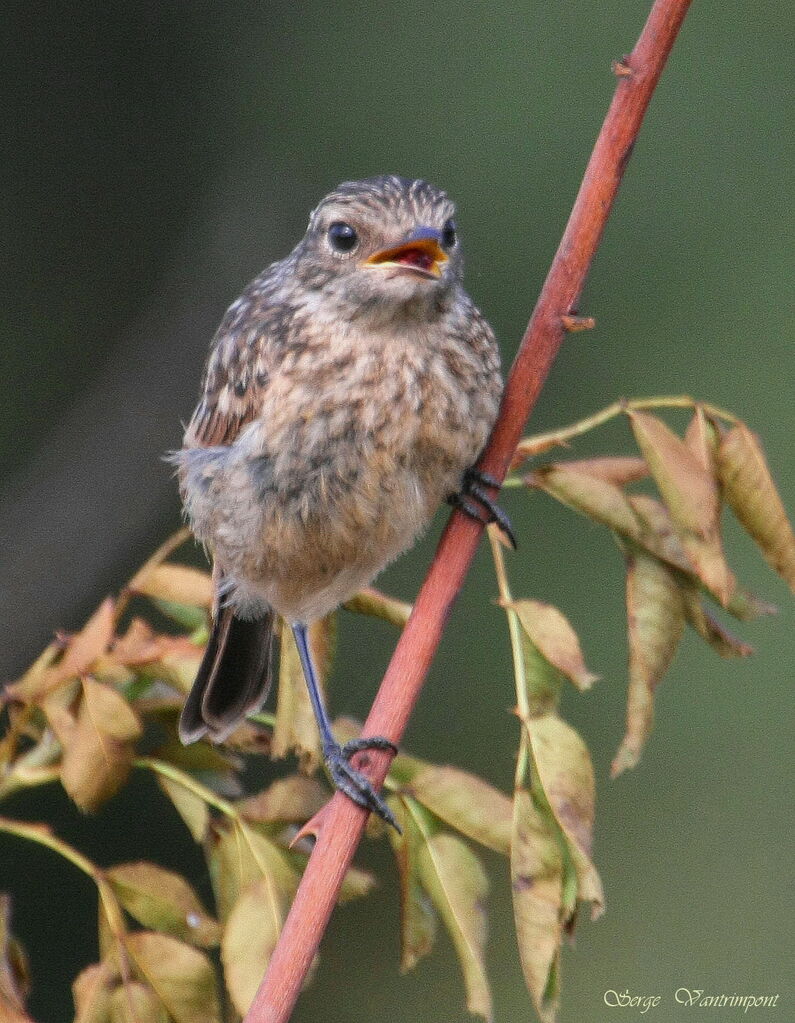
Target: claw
[[473, 486], [352, 782]]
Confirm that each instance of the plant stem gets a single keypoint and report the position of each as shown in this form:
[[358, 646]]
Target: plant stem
[[342, 824], [617, 408], [188, 782]]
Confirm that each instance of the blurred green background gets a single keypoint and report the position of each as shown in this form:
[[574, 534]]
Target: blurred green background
[[155, 158]]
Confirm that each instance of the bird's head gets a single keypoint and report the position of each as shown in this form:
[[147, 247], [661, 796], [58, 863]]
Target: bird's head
[[382, 243]]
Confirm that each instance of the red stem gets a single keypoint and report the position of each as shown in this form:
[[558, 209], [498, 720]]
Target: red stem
[[342, 823]]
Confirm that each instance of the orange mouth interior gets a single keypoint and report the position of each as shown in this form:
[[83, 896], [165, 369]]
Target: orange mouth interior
[[424, 255]]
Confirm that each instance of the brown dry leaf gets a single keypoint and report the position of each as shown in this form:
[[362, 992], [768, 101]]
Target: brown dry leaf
[[163, 901], [379, 605], [417, 916], [595, 498], [178, 584], [249, 939], [701, 437], [181, 976], [552, 635], [566, 776], [100, 751], [466, 803], [34, 682], [136, 1003], [655, 620], [691, 495], [14, 972], [189, 806], [531, 447], [454, 879], [92, 990], [290, 800], [295, 728], [750, 491], [710, 629], [616, 469], [537, 890]]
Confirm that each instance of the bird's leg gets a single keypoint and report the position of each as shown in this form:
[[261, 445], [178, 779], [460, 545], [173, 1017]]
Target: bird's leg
[[474, 500], [345, 777]]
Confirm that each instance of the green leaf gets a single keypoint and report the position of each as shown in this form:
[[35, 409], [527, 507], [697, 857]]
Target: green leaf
[[466, 803], [136, 1003], [163, 901], [655, 620], [417, 916], [565, 774], [537, 887], [240, 857], [181, 976], [379, 605], [191, 808], [552, 635], [250, 936], [455, 880], [92, 990]]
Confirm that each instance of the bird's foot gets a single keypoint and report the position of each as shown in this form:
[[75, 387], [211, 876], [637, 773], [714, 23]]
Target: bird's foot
[[474, 500], [352, 782]]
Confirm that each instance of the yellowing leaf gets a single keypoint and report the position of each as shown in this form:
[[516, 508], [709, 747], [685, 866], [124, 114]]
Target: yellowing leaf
[[86, 646], [380, 605], [136, 1003], [180, 975], [455, 880], [593, 497], [189, 806], [35, 680], [99, 753], [552, 635], [710, 629], [466, 803], [536, 887], [417, 917], [241, 857], [566, 776], [295, 727], [749, 489], [616, 469], [701, 437], [163, 901], [691, 495], [289, 800], [688, 490], [92, 990], [250, 936], [14, 973], [178, 584], [655, 619]]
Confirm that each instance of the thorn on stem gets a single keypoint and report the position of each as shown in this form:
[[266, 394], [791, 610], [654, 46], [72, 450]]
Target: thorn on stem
[[621, 68], [573, 324]]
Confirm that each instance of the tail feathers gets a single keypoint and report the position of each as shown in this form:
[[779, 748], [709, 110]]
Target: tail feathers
[[233, 679]]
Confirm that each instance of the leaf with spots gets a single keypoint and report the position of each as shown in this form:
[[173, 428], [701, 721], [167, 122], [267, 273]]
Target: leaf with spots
[[163, 901]]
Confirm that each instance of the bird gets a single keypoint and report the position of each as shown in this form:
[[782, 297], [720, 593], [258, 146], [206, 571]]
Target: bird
[[347, 394]]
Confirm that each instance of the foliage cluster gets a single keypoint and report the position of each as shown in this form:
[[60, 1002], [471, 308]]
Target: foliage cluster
[[104, 702]]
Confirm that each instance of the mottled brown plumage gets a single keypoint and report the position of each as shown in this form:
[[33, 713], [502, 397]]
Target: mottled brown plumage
[[346, 393]]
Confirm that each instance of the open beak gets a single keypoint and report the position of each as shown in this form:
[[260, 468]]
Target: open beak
[[421, 253]]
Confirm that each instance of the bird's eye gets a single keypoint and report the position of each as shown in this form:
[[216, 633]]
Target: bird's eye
[[448, 235], [342, 236]]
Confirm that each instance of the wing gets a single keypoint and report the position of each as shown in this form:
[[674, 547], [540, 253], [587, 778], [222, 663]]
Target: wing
[[243, 356]]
